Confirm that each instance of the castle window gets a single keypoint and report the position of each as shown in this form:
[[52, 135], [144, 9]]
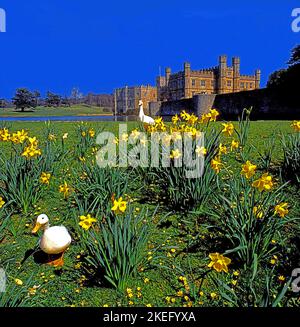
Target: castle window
[[229, 84], [193, 82], [251, 85], [203, 83], [242, 85]]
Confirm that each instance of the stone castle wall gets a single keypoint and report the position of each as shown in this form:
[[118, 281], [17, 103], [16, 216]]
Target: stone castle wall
[[267, 105]]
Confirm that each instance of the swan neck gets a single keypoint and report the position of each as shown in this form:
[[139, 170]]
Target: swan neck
[[141, 111]]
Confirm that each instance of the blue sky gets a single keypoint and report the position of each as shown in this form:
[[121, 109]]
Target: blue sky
[[99, 45]]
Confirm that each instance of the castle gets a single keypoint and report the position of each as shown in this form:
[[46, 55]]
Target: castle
[[187, 83], [127, 98]]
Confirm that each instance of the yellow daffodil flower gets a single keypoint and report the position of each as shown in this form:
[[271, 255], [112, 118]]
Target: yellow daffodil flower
[[264, 183], [248, 169], [219, 262], [281, 209], [119, 206]]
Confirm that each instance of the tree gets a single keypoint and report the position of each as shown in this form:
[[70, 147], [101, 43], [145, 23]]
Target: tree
[[37, 95], [295, 57], [287, 80], [2, 103], [76, 96], [65, 102], [52, 100], [24, 99], [277, 78]]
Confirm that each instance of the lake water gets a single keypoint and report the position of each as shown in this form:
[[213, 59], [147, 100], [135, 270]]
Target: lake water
[[70, 118]]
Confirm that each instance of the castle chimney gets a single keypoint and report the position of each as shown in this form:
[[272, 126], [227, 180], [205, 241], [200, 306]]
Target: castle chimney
[[236, 73], [222, 74], [257, 78], [187, 79]]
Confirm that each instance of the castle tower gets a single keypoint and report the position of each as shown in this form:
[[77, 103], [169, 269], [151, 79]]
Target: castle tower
[[168, 73], [222, 74], [187, 78], [236, 64], [257, 78]]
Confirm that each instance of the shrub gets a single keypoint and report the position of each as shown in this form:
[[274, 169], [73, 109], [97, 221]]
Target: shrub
[[184, 193], [181, 144], [20, 181], [116, 245], [94, 187], [248, 218]]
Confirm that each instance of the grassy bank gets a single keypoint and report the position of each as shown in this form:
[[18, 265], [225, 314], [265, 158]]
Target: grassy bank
[[76, 110], [178, 245]]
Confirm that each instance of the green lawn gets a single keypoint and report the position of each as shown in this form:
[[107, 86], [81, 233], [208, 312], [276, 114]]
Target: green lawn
[[73, 285], [76, 110]]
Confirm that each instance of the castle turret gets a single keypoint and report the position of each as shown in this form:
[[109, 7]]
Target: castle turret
[[222, 74], [187, 78], [236, 64], [168, 73], [257, 78]]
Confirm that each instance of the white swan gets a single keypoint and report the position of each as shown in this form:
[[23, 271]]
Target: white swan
[[143, 118], [54, 241]]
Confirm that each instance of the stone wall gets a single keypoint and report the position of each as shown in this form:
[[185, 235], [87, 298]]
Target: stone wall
[[267, 104]]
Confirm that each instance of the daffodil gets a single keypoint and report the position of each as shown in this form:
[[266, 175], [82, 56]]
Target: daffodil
[[19, 137], [201, 151], [213, 295], [248, 169], [216, 164], [296, 125], [222, 149], [175, 154], [214, 114], [135, 134], [19, 282], [86, 222], [281, 209], [31, 151], [264, 183], [175, 119], [219, 262], [65, 189], [258, 212], [192, 119], [119, 206], [45, 178], [124, 137], [228, 129], [4, 135], [51, 137], [234, 145], [184, 115], [91, 132], [2, 202], [205, 118]]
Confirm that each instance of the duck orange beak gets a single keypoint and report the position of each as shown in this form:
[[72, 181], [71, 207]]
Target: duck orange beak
[[36, 228]]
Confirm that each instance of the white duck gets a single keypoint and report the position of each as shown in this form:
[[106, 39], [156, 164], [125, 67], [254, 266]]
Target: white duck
[[54, 241], [143, 118]]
